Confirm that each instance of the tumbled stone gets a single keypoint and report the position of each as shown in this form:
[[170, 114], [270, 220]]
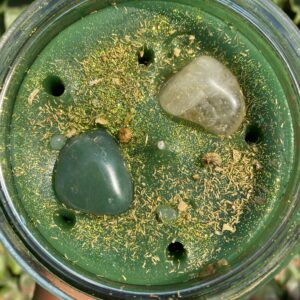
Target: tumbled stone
[[57, 142], [166, 214], [207, 93], [91, 176]]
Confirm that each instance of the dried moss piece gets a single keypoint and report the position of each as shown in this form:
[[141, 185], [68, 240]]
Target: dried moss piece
[[257, 165], [196, 177], [212, 159], [228, 227], [33, 96], [182, 206], [101, 121], [176, 52], [125, 135]]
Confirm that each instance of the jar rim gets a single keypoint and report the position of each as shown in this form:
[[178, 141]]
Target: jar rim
[[281, 33]]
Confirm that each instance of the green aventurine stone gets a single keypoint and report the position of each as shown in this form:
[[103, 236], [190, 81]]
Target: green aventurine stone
[[91, 175]]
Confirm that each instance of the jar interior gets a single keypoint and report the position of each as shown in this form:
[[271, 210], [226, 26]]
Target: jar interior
[[87, 64]]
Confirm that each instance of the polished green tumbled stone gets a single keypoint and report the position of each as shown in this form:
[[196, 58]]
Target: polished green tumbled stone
[[91, 176]]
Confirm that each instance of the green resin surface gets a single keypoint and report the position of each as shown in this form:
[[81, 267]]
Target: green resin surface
[[106, 70]]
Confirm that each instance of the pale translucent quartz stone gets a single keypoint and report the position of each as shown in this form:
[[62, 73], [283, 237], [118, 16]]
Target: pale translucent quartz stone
[[207, 93]]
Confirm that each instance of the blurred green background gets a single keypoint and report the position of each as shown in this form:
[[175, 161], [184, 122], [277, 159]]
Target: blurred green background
[[15, 284]]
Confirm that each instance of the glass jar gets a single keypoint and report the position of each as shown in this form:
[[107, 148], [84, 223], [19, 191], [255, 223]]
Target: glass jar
[[279, 41]]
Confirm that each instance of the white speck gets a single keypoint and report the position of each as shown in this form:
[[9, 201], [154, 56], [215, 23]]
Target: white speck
[[161, 145]]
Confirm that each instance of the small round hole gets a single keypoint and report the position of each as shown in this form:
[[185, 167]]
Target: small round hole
[[64, 218], [146, 56], [176, 251], [253, 135], [54, 86]]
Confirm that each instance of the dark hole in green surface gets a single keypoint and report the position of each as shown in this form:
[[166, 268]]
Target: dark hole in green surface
[[176, 252], [146, 56], [54, 86], [16, 3], [254, 134], [64, 218], [2, 23], [288, 9]]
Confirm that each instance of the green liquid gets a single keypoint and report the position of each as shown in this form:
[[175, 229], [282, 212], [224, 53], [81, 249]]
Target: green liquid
[[97, 62]]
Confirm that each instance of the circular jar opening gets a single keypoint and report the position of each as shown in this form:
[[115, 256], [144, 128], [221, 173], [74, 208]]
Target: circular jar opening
[[225, 203]]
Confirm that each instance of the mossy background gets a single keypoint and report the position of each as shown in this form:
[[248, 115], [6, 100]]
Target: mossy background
[[15, 284]]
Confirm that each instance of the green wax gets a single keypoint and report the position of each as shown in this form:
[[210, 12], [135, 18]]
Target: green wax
[[107, 70]]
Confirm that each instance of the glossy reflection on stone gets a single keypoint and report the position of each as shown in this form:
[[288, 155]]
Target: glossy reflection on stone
[[207, 93], [90, 175]]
